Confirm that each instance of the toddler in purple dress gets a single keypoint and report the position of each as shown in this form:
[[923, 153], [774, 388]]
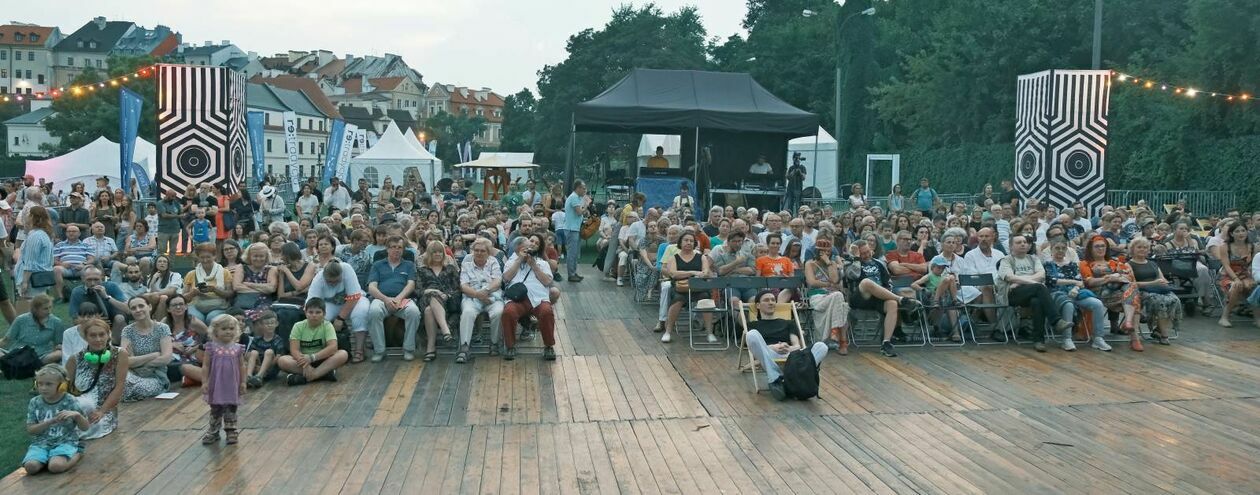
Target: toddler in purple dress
[[224, 372]]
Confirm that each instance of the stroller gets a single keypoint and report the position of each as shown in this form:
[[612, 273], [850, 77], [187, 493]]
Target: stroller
[[1180, 270]]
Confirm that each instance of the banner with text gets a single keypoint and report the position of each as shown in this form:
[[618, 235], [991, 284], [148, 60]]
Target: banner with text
[[291, 148], [332, 153], [347, 143]]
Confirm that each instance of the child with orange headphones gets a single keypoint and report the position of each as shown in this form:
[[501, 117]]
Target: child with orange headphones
[[52, 418]]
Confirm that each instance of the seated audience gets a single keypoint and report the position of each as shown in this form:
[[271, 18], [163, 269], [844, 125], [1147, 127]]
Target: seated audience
[[391, 285], [527, 267], [149, 344], [313, 353], [480, 281]]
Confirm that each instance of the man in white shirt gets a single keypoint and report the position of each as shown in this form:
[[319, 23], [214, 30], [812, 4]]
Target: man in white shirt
[[528, 266], [983, 260], [481, 281], [336, 196], [628, 239], [345, 303], [774, 225], [761, 167]]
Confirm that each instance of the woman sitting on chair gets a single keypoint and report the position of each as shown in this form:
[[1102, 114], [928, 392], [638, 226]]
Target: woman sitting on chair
[[1236, 281], [770, 338], [1160, 306], [682, 266], [1113, 281], [826, 294]]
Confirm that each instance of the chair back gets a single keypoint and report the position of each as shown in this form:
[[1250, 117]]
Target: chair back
[[746, 282], [708, 283], [793, 282], [782, 311]]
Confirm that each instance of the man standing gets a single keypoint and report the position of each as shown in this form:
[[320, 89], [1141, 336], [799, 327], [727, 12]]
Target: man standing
[[272, 205], [337, 197], [391, 284], [169, 212], [925, 198], [76, 214], [574, 211], [1008, 196], [795, 185]]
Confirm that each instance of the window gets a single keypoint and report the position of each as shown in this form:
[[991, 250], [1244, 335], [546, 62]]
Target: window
[[34, 37], [4, 55], [17, 141], [80, 43], [321, 125], [92, 44], [372, 176], [18, 36], [30, 56], [266, 122], [86, 62], [321, 148], [301, 148], [4, 73], [4, 89], [69, 60], [310, 124], [39, 78], [17, 54], [28, 91], [98, 63], [269, 146], [28, 74]]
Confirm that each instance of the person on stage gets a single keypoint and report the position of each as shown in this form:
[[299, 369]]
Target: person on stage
[[683, 202], [762, 167], [796, 183], [658, 160]]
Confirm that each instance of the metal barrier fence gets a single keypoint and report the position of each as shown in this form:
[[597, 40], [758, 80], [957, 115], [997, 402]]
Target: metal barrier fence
[[1198, 202], [882, 202]]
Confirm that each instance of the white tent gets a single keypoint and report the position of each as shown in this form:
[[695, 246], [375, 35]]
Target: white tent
[[96, 159], [518, 174], [820, 168], [394, 156], [671, 143]]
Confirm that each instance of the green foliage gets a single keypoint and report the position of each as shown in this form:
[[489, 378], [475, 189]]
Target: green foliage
[[450, 130], [520, 121], [642, 37], [81, 119]]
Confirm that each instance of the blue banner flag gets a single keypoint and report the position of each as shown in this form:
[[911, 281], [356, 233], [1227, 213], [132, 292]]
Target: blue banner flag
[[142, 177], [332, 152], [254, 127], [129, 105]]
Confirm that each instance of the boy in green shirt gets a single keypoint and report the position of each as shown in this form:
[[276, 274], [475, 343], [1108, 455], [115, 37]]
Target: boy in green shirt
[[313, 353]]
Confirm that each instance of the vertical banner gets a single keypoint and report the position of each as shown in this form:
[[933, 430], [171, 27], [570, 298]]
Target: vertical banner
[[371, 140], [201, 127], [360, 138], [348, 138], [332, 152], [129, 105], [290, 148], [254, 122], [141, 175], [433, 147]]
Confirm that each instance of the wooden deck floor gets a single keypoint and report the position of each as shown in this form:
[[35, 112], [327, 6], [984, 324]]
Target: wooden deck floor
[[621, 413]]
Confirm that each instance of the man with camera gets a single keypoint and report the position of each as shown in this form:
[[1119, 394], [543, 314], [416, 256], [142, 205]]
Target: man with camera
[[796, 183], [106, 295]]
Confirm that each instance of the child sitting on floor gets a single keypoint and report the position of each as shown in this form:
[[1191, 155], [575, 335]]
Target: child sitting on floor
[[52, 418], [265, 347], [313, 353], [224, 371]]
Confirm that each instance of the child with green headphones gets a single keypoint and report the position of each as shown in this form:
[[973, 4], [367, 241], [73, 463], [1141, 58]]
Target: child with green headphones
[[54, 420]]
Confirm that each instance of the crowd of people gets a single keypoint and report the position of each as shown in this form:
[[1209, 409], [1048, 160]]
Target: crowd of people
[[294, 292]]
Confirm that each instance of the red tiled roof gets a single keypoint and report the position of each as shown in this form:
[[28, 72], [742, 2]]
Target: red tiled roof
[[307, 86], [355, 84], [8, 30], [331, 69]]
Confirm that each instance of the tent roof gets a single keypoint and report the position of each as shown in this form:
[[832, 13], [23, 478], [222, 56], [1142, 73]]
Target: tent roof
[[660, 101], [394, 146], [95, 159], [824, 137], [495, 161]]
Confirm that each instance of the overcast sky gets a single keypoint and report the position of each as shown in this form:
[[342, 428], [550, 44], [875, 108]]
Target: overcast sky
[[500, 44]]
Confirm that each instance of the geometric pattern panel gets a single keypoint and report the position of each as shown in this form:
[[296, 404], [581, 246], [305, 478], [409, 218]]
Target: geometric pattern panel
[[201, 127], [1061, 136]]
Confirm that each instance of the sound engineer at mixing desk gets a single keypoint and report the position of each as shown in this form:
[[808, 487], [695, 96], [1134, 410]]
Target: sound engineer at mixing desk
[[761, 167], [658, 160]]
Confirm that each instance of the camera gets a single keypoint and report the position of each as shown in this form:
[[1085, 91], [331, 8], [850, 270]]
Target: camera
[[797, 158]]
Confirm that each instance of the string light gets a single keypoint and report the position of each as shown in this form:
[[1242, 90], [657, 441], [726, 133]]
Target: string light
[[1188, 91], [79, 90]]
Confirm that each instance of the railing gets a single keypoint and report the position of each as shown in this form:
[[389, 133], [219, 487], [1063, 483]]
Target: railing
[[1198, 202], [882, 202]]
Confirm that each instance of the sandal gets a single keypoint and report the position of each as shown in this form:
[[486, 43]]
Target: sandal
[[447, 338], [461, 357], [357, 357], [429, 356]]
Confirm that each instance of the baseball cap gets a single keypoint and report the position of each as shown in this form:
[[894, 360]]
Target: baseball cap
[[939, 260]]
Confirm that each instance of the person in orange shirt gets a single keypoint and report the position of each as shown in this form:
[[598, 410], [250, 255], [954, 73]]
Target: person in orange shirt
[[774, 264], [658, 160]]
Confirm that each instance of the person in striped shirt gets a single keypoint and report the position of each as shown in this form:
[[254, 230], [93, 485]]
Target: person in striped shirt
[[69, 258]]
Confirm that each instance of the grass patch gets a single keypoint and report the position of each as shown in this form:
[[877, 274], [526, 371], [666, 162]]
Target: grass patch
[[14, 394]]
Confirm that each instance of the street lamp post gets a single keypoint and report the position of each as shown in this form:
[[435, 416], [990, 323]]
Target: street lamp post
[[839, 33]]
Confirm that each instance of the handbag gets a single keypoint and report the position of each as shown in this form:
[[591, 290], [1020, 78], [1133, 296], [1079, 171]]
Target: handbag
[[42, 279], [247, 300], [20, 364], [518, 292], [682, 285]]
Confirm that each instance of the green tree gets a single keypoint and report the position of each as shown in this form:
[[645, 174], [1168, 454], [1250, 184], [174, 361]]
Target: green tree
[[520, 122], [452, 130], [81, 118], [642, 37]]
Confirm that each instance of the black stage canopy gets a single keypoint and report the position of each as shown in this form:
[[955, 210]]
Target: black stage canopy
[[669, 101]]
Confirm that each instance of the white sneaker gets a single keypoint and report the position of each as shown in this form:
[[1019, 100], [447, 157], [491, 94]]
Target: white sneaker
[[1101, 344], [1068, 345], [407, 356], [621, 283], [712, 339], [666, 338], [376, 358]]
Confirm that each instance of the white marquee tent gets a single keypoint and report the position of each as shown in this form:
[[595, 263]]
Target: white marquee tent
[[394, 156], [672, 144], [820, 167], [518, 174], [96, 159]]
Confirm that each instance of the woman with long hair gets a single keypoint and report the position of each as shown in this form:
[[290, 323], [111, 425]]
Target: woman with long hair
[[896, 201], [164, 285], [142, 245], [105, 213], [825, 290], [1181, 243], [1236, 281], [35, 259], [1112, 280], [437, 281], [295, 275], [99, 373]]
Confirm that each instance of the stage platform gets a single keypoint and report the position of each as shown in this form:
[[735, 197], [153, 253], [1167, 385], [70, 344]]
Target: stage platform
[[619, 412]]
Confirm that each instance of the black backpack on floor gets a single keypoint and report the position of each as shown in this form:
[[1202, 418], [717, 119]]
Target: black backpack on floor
[[800, 375]]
